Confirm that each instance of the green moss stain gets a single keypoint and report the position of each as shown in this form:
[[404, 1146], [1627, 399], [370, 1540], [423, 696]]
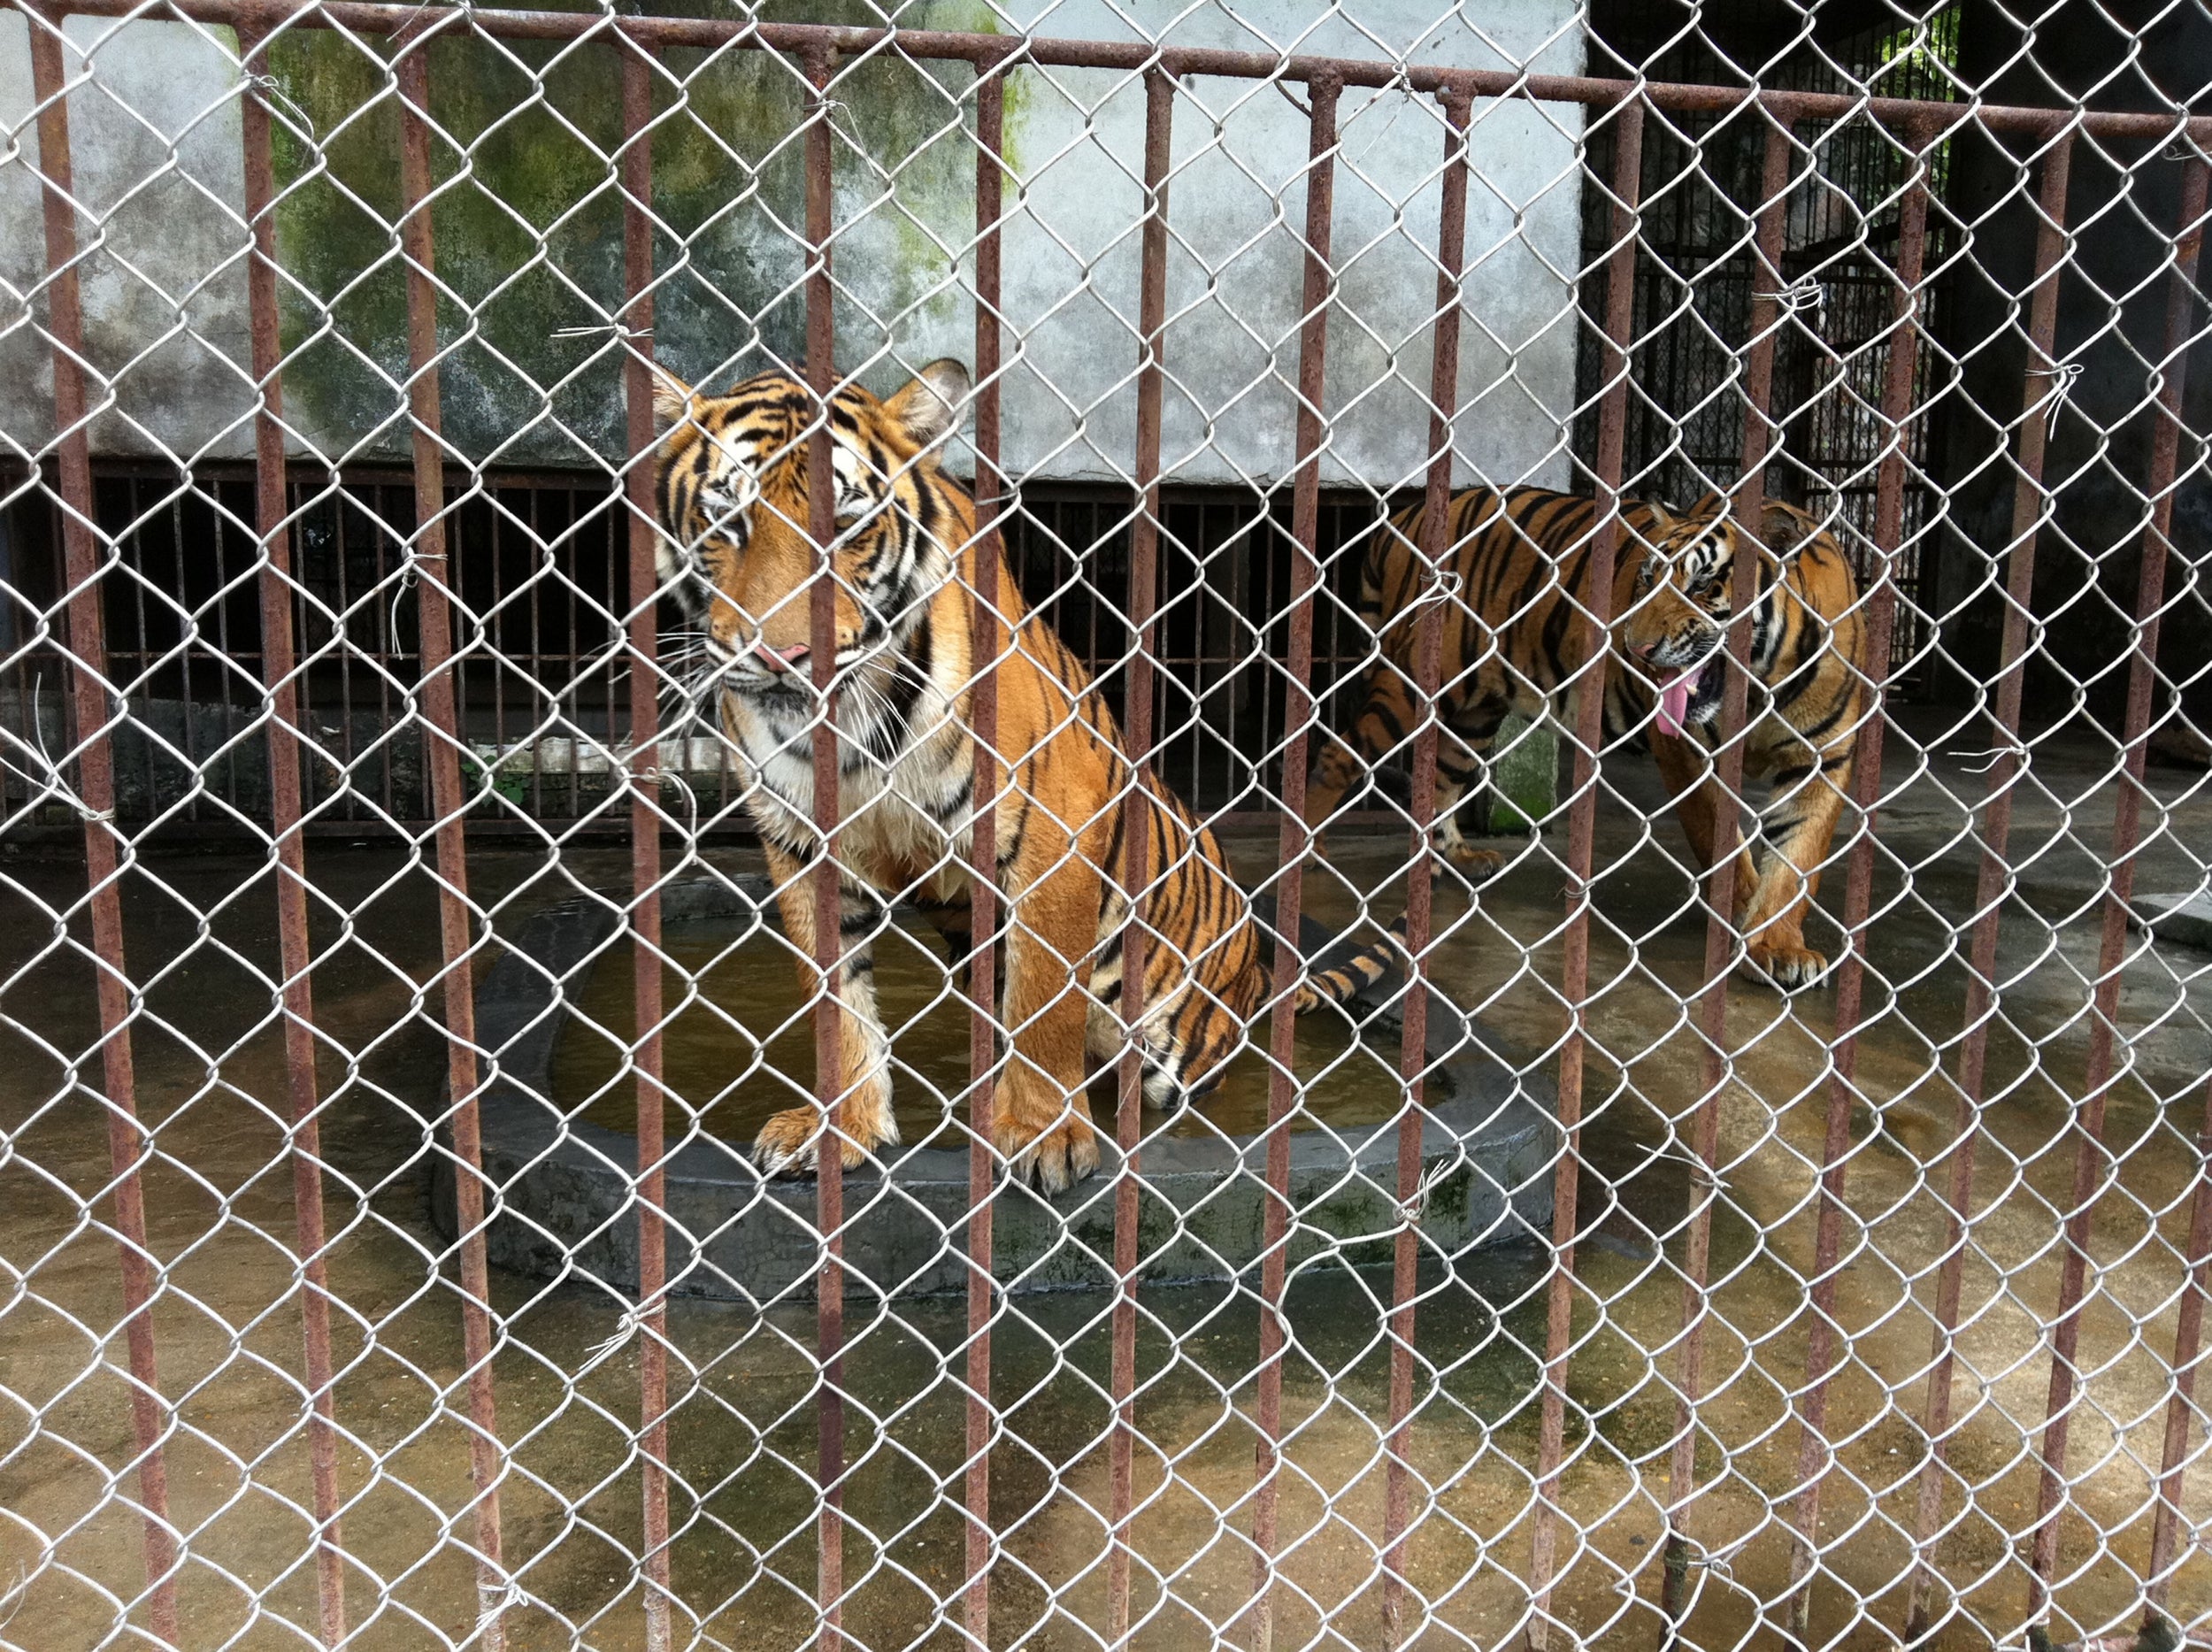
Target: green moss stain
[[529, 217], [1524, 775]]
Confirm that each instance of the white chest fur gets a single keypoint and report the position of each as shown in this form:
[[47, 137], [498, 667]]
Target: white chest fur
[[904, 772]]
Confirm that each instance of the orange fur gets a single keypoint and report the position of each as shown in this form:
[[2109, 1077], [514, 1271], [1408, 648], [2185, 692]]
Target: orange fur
[[1515, 639], [733, 492]]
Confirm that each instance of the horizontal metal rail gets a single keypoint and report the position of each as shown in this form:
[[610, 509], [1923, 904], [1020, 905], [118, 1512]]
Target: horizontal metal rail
[[797, 40]]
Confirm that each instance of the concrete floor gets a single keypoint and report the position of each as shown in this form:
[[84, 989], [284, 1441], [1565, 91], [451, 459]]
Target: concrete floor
[[200, 938]]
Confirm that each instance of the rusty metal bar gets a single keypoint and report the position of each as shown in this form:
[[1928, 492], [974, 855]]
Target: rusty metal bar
[[294, 952], [433, 619], [1589, 734], [2126, 827], [2188, 1352], [1813, 1451], [1451, 247], [128, 1139], [1996, 872], [985, 644], [645, 839], [1144, 545], [1282, 1083], [799, 38], [2189, 1319], [820, 63], [1721, 939]]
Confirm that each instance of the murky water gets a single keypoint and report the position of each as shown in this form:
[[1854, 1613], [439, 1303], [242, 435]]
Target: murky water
[[740, 1044], [212, 1085]]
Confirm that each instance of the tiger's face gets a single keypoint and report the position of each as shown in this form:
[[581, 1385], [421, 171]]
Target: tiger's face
[[1680, 611], [731, 485]]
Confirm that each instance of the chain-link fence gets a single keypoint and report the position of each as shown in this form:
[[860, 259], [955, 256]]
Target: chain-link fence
[[1332, 584]]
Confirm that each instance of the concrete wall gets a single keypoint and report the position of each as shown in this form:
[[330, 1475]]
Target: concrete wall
[[529, 242], [155, 145]]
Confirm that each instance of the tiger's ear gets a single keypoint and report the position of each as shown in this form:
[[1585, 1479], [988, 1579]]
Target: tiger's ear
[[932, 404], [1788, 530], [673, 398], [1710, 509]]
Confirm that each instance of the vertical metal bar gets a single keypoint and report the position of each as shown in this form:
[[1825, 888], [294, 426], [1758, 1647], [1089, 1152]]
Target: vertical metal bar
[[434, 619], [144, 660], [294, 950], [1144, 546], [645, 832], [128, 1139], [1749, 506], [340, 636], [1620, 309], [1903, 367], [2188, 1351], [2126, 826], [821, 376], [985, 644], [226, 648], [1996, 875], [496, 540], [1451, 246], [2189, 1320], [1323, 92]]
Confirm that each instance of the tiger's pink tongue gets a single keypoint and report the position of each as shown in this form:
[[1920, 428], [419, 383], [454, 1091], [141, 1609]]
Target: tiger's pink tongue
[[1674, 701]]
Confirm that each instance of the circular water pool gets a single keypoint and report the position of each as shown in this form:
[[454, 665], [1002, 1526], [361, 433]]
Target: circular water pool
[[560, 1146], [739, 1045]]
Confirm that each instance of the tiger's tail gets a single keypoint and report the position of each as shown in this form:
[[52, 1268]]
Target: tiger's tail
[[1338, 969]]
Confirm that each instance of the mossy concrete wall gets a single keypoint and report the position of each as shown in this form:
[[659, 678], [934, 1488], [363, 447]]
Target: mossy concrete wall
[[1523, 775], [529, 225]]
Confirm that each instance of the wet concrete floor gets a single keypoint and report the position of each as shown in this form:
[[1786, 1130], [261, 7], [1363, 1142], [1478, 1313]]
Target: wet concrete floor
[[200, 935]]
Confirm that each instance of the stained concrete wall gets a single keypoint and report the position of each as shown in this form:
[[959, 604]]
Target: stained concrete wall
[[155, 145], [529, 242]]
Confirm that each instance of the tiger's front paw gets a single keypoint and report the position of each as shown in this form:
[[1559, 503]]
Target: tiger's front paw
[[1043, 1136], [789, 1144], [1790, 965], [1477, 865]]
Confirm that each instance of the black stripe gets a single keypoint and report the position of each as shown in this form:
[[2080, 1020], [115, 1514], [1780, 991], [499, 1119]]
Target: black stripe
[[1013, 848], [1816, 733], [957, 802]]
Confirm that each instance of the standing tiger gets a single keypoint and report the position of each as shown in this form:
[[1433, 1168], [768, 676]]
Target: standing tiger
[[1516, 633], [731, 488]]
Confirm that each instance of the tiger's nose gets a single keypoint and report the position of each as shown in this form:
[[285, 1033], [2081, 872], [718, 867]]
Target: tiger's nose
[[782, 659]]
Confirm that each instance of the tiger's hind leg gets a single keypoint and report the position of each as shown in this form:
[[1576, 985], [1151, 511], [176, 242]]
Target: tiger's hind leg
[[791, 1140], [1334, 772], [1797, 827], [1347, 762]]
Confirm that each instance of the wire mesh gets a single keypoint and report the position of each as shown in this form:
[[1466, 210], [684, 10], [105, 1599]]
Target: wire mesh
[[947, 830]]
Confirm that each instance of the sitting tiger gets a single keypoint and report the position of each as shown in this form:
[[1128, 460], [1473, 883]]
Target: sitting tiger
[[1512, 638], [731, 483]]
